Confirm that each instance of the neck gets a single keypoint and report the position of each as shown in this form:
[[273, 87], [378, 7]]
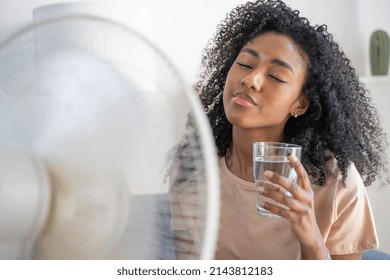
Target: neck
[[239, 155]]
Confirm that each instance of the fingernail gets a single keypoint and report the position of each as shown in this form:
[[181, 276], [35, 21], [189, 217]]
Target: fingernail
[[284, 207], [262, 190], [293, 158], [268, 174]]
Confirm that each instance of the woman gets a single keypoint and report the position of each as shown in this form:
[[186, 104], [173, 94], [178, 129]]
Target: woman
[[269, 75]]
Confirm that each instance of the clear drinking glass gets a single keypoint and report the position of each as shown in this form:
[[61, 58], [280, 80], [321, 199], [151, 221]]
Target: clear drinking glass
[[272, 156]]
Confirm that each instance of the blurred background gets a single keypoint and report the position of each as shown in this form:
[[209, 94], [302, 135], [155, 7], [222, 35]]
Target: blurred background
[[182, 28]]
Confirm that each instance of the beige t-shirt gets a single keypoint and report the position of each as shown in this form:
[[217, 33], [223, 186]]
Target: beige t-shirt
[[343, 216]]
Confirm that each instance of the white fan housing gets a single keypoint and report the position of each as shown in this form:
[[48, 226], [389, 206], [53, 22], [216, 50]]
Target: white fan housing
[[89, 110]]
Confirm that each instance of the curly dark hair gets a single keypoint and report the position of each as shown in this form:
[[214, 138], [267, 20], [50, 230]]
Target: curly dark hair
[[340, 119]]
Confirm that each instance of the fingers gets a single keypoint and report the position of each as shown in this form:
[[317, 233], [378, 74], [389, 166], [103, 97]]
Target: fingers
[[278, 210], [302, 181], [284, 184], [293, 199], [283, 200], [287, 211], [303, 178]]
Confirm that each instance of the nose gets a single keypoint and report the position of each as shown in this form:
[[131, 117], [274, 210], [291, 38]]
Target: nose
[[252, 82]]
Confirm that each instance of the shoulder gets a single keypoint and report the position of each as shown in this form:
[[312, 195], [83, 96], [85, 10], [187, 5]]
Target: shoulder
[[351, 180], [352, 215], [354, 188], [349, 192], [341, 189]]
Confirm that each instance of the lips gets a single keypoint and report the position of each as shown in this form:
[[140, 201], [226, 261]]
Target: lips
[[243, 99]]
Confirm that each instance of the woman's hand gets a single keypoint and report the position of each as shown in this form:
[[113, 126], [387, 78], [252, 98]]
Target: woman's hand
[[297, 206]]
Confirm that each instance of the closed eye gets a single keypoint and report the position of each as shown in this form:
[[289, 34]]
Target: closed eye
[[277, 79], [244, 65]]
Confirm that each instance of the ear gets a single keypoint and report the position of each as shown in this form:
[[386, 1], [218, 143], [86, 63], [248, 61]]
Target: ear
[[300, 106]]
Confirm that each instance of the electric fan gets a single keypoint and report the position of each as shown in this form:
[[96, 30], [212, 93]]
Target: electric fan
[[89, 111]]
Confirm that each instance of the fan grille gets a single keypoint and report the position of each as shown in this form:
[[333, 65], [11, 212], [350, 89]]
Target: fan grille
[[101, 107]]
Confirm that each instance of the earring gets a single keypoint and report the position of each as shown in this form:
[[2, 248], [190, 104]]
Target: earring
[[294, 114]]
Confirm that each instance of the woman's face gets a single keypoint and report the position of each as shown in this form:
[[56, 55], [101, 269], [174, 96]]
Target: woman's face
[[263, 86]]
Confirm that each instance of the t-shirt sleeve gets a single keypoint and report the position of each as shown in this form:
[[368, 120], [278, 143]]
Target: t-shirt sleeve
[[353, 229]]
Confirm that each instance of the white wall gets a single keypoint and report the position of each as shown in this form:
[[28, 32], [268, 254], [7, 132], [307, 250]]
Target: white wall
[[181, 29], [187, 25], [380, 195], [351, 21]]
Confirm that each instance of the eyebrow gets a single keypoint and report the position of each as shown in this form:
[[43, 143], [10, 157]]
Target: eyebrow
[[274, 60]]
